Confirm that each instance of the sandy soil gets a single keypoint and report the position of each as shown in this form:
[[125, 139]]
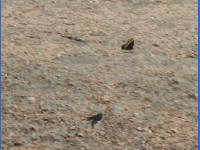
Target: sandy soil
[[62, 62]]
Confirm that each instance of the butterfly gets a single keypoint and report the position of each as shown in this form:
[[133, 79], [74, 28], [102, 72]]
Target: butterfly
[[128, 45]]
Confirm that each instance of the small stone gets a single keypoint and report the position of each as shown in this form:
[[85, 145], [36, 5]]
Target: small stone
[[109, 108], [156, 45], [79, 134], [140, 129], [32, 99], [148, 130], [32, 129], [121, 143], [58, 55], [72, 128], [69, 135], [17, 144], [131, 119], [136, 114], [130, 140], [143, 142], [102, 133], [174, 131], [11, 134]]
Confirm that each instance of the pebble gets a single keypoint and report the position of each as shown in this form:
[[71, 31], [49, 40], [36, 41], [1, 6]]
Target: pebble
[[79, 134], [140, 129], [174, 131], [72, 128], [32, 99]]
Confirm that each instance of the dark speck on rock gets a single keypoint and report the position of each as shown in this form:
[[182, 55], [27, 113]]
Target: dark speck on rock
[[95, 119]]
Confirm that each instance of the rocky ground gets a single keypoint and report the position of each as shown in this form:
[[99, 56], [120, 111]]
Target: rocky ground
[[62, 62]]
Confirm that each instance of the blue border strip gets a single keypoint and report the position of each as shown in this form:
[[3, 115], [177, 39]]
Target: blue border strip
[[0, 70], [198, 77]]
